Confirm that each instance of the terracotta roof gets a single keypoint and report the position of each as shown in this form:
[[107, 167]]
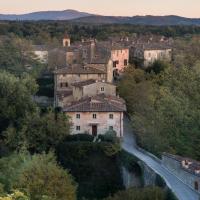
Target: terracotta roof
[[64, 93], [89, 82], [79, 69], [83, 83], [99, 103], [152, 46]]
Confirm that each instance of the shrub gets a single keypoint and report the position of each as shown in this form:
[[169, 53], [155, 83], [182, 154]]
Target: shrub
[[109, 136], [79, 137]]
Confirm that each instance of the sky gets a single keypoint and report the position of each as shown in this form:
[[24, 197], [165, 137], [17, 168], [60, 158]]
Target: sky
[[187, 8]]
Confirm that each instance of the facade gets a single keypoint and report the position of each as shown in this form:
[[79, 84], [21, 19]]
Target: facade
[[97, 115], [147, 54], [120, 58], [41, 52], [186, 169], [65, 77], [91, 88]]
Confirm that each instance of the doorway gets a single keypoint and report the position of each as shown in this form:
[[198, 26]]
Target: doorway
[[94, 130]]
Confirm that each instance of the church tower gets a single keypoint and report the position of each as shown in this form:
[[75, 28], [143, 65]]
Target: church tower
[[66, 41]]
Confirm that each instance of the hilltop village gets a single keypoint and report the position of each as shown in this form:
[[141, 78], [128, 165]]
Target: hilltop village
[[100, 112], [85, 75]]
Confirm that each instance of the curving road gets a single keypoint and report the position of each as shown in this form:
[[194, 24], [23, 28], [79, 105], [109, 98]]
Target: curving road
[[182, 191]]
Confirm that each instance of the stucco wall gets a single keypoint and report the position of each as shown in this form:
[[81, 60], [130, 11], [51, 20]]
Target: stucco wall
[[175, 167], [71, 78], [94, 89], [42, 56], [152, 55], [120, 55], [103, 122]]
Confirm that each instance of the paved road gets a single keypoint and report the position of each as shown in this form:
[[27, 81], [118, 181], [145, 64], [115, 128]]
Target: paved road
[[182, 191]]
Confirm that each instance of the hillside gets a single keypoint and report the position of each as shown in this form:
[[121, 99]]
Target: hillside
[[46, 15], [140, 20], [82, 17]]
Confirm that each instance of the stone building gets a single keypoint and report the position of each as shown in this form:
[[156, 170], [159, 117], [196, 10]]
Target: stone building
[[186, 169], [91, 88], [96, 115], [120, 58], [65, 77], [147, 54], [41, 52]]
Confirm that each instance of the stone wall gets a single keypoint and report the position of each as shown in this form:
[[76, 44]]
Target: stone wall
[[120, 55], [174, 166], [151, 56], [102, 121]]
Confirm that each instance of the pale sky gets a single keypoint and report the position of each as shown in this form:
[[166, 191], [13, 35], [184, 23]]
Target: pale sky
[[187, 8]]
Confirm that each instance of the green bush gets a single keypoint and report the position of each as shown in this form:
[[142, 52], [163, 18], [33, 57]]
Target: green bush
[[79, 137], [109, 136], [97, 174]]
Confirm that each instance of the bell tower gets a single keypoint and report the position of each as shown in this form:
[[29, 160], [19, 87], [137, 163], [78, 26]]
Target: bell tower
[[66, 41]]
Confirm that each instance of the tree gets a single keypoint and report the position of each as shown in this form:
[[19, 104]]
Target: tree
[[38, 176], [164, 109], [158, 66], [39, 132], [17, 57], [148, 193], [15, 99], [16, 195]]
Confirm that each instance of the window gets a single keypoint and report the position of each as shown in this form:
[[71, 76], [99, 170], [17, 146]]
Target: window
[[125, 62], [78, 128], [78, 116], [94, 116], [102, 89], [115, 63], [110, 127], [111, 116], [61, 85], [66, 84]]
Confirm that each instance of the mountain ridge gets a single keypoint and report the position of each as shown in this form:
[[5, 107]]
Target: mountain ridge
[[84, 17]]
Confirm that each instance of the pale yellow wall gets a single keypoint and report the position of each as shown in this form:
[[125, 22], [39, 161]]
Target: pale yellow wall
[[109, 77], [77, 93], [71, 78], [102, 120], [94, 89], [152, 55], [42, 56]]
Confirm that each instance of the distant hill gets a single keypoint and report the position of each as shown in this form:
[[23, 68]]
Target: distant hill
[[47, 15], [140, 20], [82, 17]]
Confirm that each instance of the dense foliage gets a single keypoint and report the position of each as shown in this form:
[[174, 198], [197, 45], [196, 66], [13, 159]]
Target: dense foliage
[[165, 108], [17, 58], [15, 99], [52, 32], [38, 176], [147, 193], [94, 167]]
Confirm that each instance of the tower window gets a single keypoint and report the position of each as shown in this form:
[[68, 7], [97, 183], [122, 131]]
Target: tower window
[[94, 116]]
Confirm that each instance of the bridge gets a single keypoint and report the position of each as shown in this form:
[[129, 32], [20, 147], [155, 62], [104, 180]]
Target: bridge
[[182, 191]]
